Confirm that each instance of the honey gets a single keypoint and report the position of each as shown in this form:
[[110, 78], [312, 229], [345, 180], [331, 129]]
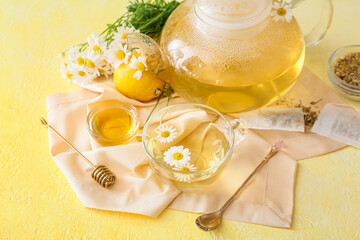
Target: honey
[[113, 122]]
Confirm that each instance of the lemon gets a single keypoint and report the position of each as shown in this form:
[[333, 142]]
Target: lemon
[[145, 89]]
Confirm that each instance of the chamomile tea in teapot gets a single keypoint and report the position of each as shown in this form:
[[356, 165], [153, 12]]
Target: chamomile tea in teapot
[[234, 55]]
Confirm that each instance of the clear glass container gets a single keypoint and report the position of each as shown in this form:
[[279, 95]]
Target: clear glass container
[[209, 152], [348, 90], [232, 55], [113, 122]]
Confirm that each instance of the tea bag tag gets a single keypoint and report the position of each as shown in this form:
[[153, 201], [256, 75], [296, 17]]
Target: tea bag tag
[[339, 124], [275, 118]]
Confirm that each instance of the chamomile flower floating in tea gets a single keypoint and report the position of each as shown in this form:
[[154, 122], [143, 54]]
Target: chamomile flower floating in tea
[[138, 63], [117, 54], [185, 168], [96, 43], [281, 11], [166, 133], [121, 34], [177, 156]]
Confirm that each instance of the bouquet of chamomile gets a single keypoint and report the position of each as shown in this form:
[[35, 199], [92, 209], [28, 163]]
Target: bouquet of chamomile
[[107, 53]]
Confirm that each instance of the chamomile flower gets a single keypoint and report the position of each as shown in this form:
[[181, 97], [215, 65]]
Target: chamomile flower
[[92, 61], [105, 68], [73, 52], [117, 54], [177, 156], [121, 34], [79, 58], [187, 167], [66, 69], [166, 133], [96, 43], [82, 74], [282, 12], [139, 64]]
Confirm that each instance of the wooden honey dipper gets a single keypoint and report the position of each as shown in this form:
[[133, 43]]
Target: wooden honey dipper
[[100, 174]]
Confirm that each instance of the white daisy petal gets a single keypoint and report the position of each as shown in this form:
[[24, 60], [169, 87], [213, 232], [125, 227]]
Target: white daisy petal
[[121, 33], [133, 62], [73, 52], [66, 69], [288, 17], [137, 75], [82, 74], [276, 18], [92, 61], [139, 64], [105, 68], [97, 43]]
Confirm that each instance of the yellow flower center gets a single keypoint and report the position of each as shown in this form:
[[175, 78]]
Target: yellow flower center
[[165, 134], [90, 63], [123, 36], [120, 55], [140, 66], [184, 169], [96, 48], [281, 12], [65, 64], [69, 75], [80, 60], [81, 73], [102, 71], [178, 156]]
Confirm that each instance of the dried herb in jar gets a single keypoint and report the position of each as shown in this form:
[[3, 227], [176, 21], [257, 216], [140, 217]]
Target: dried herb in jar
[[347, 68]]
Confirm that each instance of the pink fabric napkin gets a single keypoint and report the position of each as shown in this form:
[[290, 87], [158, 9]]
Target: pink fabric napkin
[[267, 200]]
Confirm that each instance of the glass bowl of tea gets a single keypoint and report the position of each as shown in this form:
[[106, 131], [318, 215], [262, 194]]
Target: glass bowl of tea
[[344, 71], [190, 144], [113, 122]]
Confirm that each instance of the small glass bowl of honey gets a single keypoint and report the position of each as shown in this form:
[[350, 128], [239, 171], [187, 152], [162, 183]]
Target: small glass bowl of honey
[[113, 122]]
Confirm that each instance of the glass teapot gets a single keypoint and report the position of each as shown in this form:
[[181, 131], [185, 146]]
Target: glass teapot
[[237, 55]]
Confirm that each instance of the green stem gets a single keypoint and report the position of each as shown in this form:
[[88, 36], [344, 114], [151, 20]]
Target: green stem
[[153, 20], [157, 102]]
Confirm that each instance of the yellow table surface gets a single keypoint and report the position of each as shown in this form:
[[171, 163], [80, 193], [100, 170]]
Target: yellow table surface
[[36, 202]]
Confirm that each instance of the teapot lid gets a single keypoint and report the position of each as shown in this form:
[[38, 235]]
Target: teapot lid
[[233, 14]]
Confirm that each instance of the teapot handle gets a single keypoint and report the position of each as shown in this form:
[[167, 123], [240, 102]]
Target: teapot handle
[[319, 30]]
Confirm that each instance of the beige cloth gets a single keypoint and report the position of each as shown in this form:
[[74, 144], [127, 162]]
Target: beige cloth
[[267, 200]]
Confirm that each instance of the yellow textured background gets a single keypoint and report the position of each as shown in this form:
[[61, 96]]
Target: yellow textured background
[[36, 202]]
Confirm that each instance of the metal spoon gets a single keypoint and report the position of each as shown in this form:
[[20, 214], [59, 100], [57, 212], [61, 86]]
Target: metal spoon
[[211, 221]]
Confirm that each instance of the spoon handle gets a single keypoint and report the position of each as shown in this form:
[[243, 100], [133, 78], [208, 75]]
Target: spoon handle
[[274, 149]]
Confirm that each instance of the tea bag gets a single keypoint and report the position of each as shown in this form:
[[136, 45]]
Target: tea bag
[[339, 124], [286, 119]]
